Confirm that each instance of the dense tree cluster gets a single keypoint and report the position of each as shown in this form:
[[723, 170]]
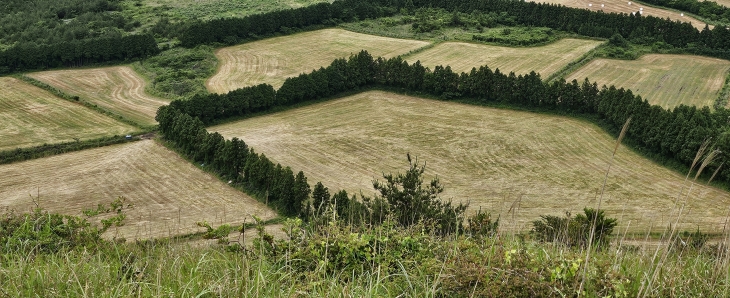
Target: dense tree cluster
[[53, 21], [233, 30], [55, 33], [26, 56], [670, 135]]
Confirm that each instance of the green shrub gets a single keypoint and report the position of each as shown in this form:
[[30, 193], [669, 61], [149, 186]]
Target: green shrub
[[575, 231]]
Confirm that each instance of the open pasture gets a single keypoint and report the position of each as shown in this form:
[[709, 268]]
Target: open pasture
[[30, 116], [517, 165], [545, 60], [627, 6], [117, 89], [169, 195], [665, 80], [273, 60]]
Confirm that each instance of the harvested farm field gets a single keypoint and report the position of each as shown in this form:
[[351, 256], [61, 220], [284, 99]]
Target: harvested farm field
[[545, 60], [31, 116], [273, 60], [664, 80], [169, 195], [118, 89], [626, 6], [517, 165]]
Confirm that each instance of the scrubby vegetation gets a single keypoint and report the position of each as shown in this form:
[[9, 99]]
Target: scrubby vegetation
[[178, 72]]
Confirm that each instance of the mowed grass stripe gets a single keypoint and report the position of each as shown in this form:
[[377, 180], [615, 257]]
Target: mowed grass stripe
[[118, 89], [623, 6], [30, 116], [273, 60], [545, 60], [489, 157], [155, 180], [665, 80]]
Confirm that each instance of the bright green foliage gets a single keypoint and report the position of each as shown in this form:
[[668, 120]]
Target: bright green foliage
[[575, 231], [44, 232]]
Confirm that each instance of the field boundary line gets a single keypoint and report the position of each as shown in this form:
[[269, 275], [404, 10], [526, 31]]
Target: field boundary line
[[575, 64], [76, 99], [47, 150], [722, 99]]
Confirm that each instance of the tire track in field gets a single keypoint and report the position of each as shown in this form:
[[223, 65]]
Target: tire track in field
[[492, 158], [118, 89], [30, 116]]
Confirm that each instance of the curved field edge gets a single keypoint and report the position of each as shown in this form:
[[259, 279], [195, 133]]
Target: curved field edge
[[31, 116], [625, 6], [273, 60], [168, 194], [118, 89], [545, 60], [499, 160], [662, 79]]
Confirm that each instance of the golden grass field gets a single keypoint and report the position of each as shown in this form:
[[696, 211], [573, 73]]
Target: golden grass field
[[168, 193], [117, 89], [665, 80], [623, 6], [495, 159], [30, 116], [275, 59], [545, 60]]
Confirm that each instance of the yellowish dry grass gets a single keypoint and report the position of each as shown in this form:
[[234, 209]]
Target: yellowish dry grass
[[725, 3], [30, 116], [545, 60], [118, 89], [275, 59], [623, 6], [665, 80], [168, 193], [495, 159]]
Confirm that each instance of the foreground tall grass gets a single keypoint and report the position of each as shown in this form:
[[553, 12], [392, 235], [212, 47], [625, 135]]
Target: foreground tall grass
[[332, 259]]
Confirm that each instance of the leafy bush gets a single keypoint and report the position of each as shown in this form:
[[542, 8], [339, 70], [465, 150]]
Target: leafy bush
[[575, 231]]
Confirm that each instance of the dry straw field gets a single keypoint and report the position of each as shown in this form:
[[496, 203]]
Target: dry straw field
[[30, 116], [496, 159], [168, 193], [665, 80], [544, 60], [117, 89], [273, 60], [627, 6]]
